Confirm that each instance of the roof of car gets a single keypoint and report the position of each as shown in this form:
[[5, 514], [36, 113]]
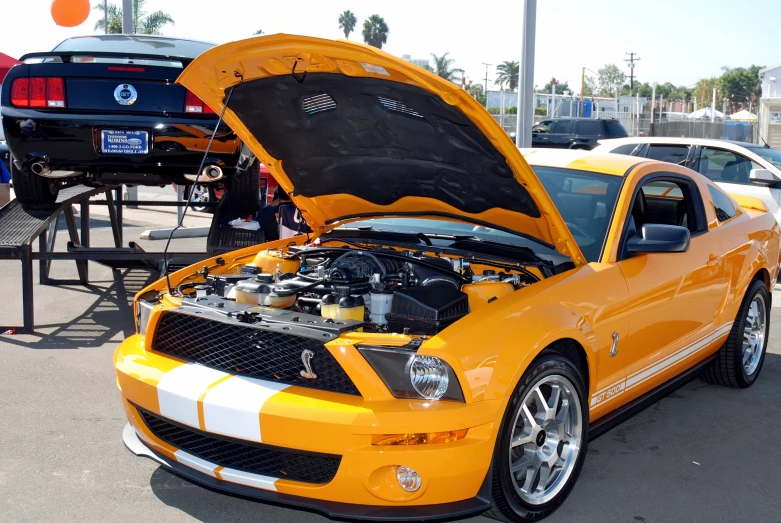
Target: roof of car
[[582, 160], [578, 118], [139, 37], [665, 139]]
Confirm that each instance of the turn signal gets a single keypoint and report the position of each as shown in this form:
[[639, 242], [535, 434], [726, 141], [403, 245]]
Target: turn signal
[[38, 91], [420, 438]]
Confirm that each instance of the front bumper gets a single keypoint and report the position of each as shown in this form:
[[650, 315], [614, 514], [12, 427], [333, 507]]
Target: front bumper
[[455, 475]]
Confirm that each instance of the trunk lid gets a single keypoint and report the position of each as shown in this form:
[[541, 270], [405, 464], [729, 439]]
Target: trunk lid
[[350, 132]]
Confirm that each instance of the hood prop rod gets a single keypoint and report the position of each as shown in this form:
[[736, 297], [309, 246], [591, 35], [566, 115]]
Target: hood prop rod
[[197, 177]]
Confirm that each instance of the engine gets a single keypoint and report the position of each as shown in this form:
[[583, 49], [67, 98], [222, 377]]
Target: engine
[[384, 289]]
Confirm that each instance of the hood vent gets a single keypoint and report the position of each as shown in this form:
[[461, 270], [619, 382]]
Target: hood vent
[[394, 105], [318, 103]]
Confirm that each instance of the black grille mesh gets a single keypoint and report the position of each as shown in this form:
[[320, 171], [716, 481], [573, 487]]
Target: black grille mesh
[[246, 457], [248, 351]]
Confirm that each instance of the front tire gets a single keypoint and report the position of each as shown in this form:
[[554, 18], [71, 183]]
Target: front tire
[[740, 359], [542, 441], [32, 190], [202, 194]]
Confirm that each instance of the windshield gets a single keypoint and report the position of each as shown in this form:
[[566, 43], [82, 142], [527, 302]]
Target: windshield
[[449, 229], [586, 202], [771, 155], [137, 44]]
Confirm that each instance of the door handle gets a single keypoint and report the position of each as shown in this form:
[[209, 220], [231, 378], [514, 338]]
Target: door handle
[[714, 260]]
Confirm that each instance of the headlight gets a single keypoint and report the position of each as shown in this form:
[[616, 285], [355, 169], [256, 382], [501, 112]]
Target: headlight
[[410, 375], [143, 315], [429, 376]]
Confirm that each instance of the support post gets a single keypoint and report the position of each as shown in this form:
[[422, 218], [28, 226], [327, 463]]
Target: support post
[[28, 308], [127, 17], [525, 119]]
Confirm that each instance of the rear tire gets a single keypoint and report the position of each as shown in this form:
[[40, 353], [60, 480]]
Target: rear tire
[[202, 193], [740, 359], [540, 448], [243, 191], [32, 190]]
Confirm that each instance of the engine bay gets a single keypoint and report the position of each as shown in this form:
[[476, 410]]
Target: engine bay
[[379, 289]]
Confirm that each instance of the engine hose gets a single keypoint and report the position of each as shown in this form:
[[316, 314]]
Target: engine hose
[[184, 286], [289, 292]]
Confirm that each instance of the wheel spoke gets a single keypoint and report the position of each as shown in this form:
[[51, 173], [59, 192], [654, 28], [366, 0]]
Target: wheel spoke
[[545, 471], [521, 439], [531, 473], [542, 405], [529, 419], [747, 354], [523, 463], [553, 402]]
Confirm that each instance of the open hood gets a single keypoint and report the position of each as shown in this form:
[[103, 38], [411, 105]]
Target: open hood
[[350, 131]]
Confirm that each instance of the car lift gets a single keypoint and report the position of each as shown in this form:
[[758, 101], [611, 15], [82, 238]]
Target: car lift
[[20, 226]]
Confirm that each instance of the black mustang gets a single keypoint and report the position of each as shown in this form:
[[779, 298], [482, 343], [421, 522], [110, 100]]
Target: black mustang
[[105, 110]]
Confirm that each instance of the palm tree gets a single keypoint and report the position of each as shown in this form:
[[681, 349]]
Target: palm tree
[[375, 31], [507, 74], [143, 23], [258, 32], [443, 67], [347, 22]]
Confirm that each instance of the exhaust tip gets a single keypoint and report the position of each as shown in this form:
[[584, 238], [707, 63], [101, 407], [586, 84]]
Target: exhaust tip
[[39, 168], [212, 171]]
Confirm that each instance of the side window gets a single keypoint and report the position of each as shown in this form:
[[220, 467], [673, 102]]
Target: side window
[[724, 207], [668, 153], [561, 127], [624, 149], [590, 127], [615, 129], [542, 127], [724, 166]]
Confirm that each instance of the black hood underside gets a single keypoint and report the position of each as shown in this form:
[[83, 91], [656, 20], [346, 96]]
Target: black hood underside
[[377, 140]]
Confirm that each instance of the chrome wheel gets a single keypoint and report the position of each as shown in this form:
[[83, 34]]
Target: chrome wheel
[[754, 334], [546, 439], [200, 195]]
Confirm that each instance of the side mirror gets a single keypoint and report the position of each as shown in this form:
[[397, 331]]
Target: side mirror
[[659, 238], [763, 176]]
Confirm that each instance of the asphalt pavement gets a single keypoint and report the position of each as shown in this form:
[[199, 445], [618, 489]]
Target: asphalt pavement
[[703, 454]]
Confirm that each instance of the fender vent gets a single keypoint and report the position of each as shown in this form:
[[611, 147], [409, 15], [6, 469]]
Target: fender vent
[[395, 105], [318, 103]]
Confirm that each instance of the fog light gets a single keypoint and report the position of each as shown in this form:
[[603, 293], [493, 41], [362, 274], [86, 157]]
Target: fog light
[[408, 478]]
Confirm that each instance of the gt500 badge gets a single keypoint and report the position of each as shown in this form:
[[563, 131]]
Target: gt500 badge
[[125, 94]]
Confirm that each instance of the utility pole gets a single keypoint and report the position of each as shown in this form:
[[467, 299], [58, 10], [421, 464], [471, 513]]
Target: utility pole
[[486, 83], [105, 15], [631, 61], [525, 119], [127, 17], [582, 90]]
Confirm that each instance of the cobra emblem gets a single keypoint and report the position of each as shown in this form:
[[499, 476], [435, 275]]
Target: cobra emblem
[[306, 359]]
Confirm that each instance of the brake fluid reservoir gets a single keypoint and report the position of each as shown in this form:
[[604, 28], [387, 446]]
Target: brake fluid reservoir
[[379, 305], [328, 306], [350, 308], [482, 293]]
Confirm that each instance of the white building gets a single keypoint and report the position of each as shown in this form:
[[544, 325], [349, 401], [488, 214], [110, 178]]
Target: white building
[[420, 62], [770, 106]]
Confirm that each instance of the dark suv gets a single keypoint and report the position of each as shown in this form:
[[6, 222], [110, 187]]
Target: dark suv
[[575, 133]]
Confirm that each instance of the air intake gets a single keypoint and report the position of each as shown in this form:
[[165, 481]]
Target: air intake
[[395, 105], [318, 103]]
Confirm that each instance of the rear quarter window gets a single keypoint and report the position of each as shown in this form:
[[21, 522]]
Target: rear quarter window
[[724, 207], [590, 127], [668, 153], [615, 129]]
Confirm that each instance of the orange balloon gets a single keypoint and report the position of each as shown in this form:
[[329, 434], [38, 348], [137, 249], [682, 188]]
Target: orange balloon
[[70, 13]]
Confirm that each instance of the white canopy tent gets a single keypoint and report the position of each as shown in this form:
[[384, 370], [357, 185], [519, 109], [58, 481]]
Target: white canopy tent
[[705, 112], [743, 116]]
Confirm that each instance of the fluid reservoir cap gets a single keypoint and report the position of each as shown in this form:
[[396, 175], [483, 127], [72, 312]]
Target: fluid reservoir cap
[[329, 299], [489, 272], [265, 278], [351, 301]]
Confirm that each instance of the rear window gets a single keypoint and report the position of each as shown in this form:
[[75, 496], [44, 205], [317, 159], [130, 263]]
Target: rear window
[[137, 44], [590, 127], [669, 153], [615, 129]]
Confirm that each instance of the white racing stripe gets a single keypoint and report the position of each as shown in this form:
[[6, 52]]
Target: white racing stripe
[[232, 407], [251, 480], [201, 465], [179, 389]]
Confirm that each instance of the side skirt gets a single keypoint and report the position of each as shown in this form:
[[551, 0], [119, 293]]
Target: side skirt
[[618, 416]]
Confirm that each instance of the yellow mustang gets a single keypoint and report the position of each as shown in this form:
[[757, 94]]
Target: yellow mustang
[[463, 318]]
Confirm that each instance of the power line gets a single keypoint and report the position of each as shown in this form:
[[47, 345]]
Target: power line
[[631, 61]]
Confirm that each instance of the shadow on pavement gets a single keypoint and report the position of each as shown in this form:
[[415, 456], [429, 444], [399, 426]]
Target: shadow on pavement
[[99, 322]]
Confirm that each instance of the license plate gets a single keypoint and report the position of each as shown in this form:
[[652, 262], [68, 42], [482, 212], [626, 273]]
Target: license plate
[[124, 142]]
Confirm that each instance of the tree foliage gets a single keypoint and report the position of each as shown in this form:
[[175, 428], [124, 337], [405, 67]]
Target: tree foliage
[[561, 88], [347, 22], [143, 22], [443, 67], [507, 74], [610, 79], [375, 31], [477, 92]]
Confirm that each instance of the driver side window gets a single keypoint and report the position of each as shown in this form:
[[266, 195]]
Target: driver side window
[[542, 127]]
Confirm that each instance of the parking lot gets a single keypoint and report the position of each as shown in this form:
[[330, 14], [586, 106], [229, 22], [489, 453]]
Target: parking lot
[[704, 453]]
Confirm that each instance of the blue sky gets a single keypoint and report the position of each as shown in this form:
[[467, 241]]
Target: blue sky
[[677, 41]]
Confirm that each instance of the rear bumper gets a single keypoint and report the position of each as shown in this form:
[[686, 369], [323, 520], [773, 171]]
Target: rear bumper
[[332, 509], [72, 142]]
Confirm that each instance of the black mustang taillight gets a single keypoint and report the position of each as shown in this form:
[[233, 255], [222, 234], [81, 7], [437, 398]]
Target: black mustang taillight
[[38, 91], [193, 104]]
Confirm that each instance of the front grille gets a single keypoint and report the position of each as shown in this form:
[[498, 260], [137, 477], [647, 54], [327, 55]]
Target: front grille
[[249, 351], [255, 458]]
